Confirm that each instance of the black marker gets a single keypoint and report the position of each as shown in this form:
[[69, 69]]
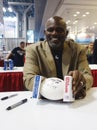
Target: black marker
[[6, 97], [17, 104]]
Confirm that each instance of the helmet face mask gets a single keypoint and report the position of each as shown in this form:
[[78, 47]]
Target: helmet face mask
[[52, 88]]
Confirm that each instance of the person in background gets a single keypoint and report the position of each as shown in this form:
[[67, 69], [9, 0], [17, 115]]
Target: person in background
[[56, 57], [17, 55], [94, 57], [89, 52], [41, 39]]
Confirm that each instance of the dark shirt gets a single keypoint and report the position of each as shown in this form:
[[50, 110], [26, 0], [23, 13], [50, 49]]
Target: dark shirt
[[18, 58], [90, 58], [58, 62], [94, 57]]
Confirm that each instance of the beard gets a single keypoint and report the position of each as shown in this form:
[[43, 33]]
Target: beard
[[56, 44]]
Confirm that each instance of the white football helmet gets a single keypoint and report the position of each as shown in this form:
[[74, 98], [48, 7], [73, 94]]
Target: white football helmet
[[52, 88]]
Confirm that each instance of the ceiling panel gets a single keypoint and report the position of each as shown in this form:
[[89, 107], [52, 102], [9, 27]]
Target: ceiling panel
[[19, 6], [63, 8], [80, 22]]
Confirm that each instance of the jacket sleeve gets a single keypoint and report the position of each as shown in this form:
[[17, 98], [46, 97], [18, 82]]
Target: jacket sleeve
[[83, 66], [30, 67], [79, 62]]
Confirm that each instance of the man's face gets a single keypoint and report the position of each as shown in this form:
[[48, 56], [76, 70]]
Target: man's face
[[55, 34], [22, 45]]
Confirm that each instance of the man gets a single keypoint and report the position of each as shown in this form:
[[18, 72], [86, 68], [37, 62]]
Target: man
[[17, 55], [56, 57]]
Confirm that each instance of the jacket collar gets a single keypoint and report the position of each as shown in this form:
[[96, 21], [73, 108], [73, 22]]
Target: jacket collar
[[66, 58]]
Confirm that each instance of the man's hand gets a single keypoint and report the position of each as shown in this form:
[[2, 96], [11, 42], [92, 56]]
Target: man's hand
[[78, 84]]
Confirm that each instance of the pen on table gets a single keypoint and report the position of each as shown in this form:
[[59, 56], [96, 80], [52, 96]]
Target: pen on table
[[17, 104], [6, 97]]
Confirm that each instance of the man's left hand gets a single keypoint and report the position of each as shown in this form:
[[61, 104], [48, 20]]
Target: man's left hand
[[78, 84]]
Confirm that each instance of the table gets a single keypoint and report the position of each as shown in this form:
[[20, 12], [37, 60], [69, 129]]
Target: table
[[93, 68], [11, 80], [49, 115]]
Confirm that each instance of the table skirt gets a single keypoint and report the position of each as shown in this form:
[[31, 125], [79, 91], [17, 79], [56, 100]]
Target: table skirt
[[94, 73], [11, 81]]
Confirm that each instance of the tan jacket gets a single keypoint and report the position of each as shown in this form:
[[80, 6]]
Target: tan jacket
[[39, 61]]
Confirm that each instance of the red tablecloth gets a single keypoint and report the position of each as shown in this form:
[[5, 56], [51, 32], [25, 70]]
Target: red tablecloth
[[94, 73], [11, 81]]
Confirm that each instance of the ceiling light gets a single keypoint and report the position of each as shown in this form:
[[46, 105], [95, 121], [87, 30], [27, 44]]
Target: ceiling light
[[76, 21], [74, 15], [68, 22], [87, 12], [78, 12], [84, 15]]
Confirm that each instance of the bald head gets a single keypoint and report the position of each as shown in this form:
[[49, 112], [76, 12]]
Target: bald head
[[56, 20]]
